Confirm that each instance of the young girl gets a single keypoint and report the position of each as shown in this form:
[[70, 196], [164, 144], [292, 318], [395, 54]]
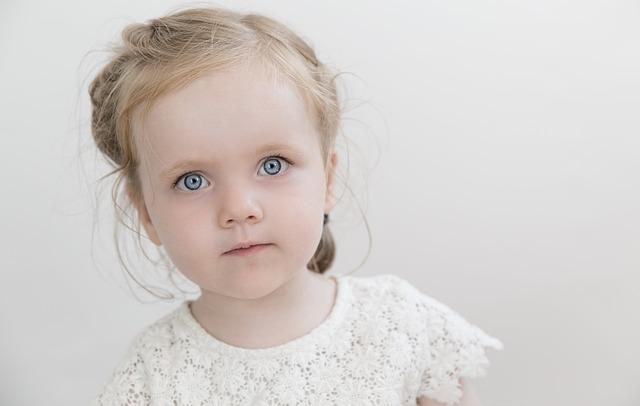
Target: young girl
[[222, 127]]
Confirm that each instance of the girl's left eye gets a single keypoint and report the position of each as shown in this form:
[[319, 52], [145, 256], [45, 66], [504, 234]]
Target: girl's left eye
[[273, 165]]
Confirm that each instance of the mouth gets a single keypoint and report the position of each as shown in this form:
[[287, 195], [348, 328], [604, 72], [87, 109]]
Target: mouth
[[247, 251]]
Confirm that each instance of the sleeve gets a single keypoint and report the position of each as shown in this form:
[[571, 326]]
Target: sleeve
[[128, 384], [455, 349]]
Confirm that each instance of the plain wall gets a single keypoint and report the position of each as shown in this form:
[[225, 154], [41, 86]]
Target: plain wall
[[496, 155]]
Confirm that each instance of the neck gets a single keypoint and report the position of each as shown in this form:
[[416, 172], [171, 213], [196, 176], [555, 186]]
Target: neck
[[288, 312]]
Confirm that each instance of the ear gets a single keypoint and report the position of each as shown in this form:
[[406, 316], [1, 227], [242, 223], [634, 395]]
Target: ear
[[331, 164], [145, 219]]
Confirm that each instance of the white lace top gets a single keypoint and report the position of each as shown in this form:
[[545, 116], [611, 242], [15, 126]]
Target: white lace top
[[383, 343]]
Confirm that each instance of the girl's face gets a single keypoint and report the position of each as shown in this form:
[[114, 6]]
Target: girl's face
[[234, 157]]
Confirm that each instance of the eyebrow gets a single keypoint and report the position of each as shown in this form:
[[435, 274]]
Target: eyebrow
[[192, 163]]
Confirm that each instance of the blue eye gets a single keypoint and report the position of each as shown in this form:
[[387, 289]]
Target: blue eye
[[192, 181], [273, 165]]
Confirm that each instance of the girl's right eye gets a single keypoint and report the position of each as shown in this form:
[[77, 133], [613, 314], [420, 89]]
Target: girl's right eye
[[192, 181]]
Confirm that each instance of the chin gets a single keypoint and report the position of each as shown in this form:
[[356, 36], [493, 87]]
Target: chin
[[255, 284]]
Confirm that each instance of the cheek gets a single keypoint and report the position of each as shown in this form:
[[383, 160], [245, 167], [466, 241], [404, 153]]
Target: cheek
[[298, 229], [301, 200], [185, 235], [297, 218]]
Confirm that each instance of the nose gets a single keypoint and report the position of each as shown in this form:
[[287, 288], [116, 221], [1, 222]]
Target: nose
[[239, 204]]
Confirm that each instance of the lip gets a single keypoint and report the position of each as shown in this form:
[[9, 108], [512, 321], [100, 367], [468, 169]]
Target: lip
[[252, 249]]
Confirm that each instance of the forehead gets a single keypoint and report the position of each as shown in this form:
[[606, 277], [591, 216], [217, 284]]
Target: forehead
[[225, 112]]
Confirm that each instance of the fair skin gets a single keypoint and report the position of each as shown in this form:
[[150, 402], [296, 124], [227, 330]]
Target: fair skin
[[469, 397], [238, 190]]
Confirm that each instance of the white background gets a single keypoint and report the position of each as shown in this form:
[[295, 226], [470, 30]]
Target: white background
[[496, 155]]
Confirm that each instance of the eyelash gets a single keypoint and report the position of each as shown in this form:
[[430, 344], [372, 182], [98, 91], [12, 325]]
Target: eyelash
[[288, 161]]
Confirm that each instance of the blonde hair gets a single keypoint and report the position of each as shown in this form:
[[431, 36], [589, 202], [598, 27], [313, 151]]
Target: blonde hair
[[169, 52]]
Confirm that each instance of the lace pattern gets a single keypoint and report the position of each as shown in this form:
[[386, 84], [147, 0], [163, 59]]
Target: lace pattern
[[384, 343], [455, 348]]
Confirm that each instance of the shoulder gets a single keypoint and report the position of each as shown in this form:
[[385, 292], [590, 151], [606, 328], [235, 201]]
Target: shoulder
[[434, 316], [134, 377], [384, 296], [453, 348], [449, 349], [397, 309], [157, 339], [399, 295], [383, 285], [387, 290]]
